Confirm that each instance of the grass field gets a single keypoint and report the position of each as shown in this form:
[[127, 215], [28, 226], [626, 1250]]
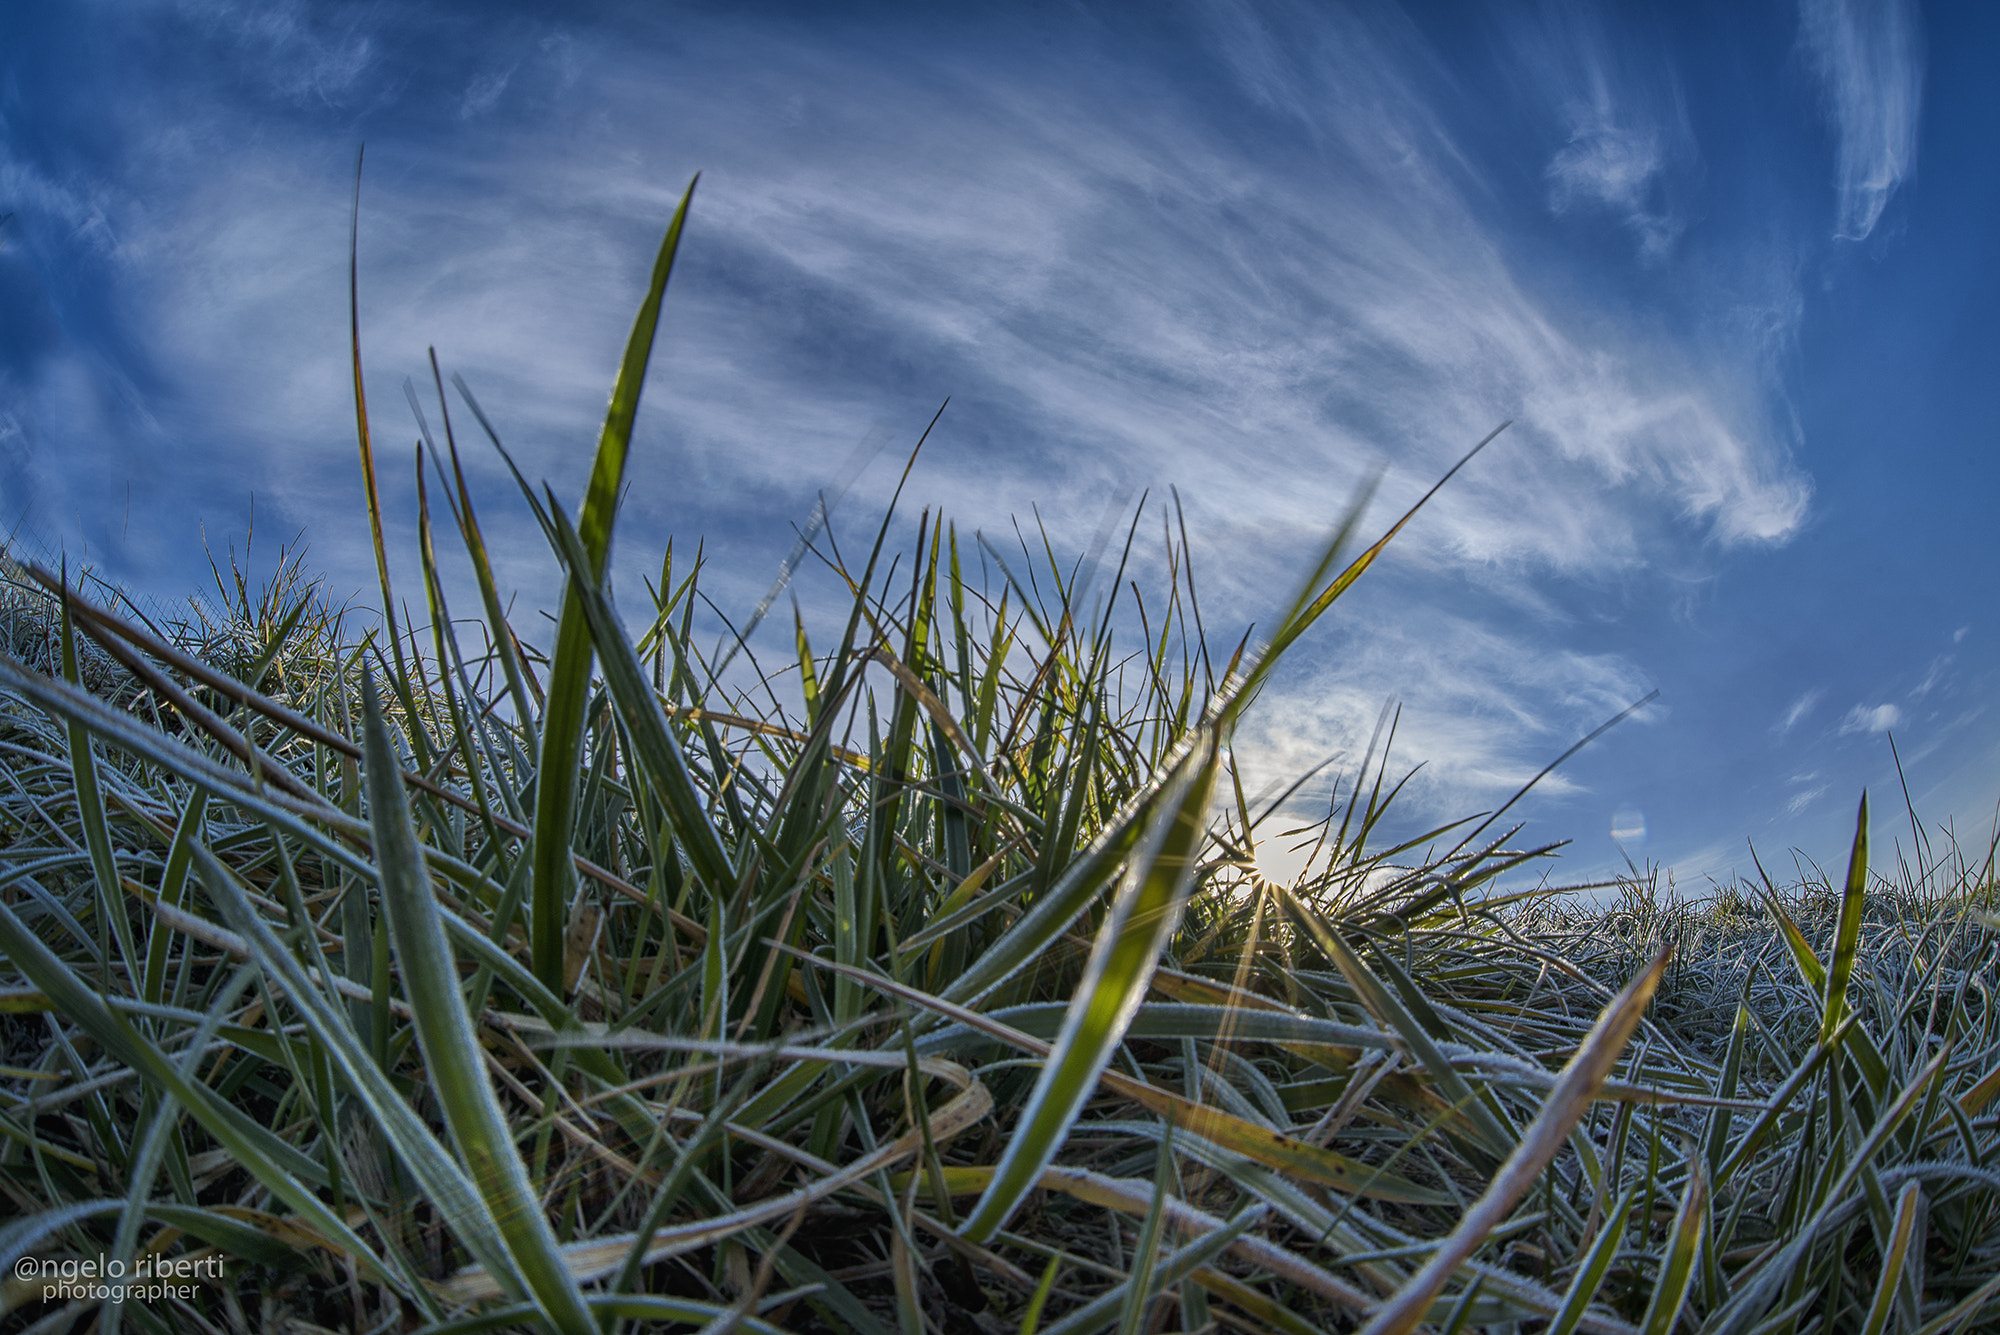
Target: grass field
[[445, 976]]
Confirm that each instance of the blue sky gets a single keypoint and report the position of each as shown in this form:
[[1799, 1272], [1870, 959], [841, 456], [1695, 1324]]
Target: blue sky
[[1727, 266]]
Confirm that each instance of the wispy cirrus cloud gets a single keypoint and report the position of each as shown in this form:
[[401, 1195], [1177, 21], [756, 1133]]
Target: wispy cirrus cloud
[[1797, 710], [1258, 279], [1937, 672], [484, 92], [1869, 58], [1870, 718], [1627, 146], [1618, 167], [1801, 801]]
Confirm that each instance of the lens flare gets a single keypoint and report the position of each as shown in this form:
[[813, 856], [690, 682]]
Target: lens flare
[[1628, 825]]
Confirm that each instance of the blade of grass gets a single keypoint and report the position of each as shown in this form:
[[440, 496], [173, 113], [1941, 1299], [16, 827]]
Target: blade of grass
[[1588, 1069], [1847, 937], [653, 742], [1031, 1318], [1596, 1263], [450, 1046], [371, 493], [1114, 982], [563, 717], [1897, 1265], [1141, 1287], [1677, 1271]]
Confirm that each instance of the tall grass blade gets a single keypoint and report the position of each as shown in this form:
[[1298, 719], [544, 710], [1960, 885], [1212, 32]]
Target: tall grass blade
[[569, 666], [1847, 937], [653, 743]]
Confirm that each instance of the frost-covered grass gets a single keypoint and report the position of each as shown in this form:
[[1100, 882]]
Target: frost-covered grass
[[460, 976]]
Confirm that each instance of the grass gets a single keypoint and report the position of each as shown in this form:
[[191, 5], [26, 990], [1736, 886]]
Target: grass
[[425, 978]]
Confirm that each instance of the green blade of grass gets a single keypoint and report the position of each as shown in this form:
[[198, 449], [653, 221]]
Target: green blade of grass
[[563, 718], [1309, 606], [173, 878], [1141, 1287], [1897, 1267], [1677, 1272], [504, 645], [90, 813], [653, 742], [1031, 1319], [1114, 982], [370, 492], [1596, 1263], [446, 1036], [1847, 937]]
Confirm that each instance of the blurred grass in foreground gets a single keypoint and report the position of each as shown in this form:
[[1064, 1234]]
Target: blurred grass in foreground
[[437, 980]]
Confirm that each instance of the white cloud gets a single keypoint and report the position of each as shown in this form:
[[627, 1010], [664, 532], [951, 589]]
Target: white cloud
[[1303, 324], [1933, 675], [1798, 709], [1864, 718], [483, 93], [1800, 801], [1616, 167], [1626, 133], [1869, 56], [1118, 282]]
